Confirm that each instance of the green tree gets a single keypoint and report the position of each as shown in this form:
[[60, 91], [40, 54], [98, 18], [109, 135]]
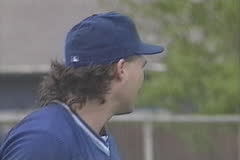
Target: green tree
[[202, 59]]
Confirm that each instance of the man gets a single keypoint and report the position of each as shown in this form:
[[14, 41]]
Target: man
[[100, 77]]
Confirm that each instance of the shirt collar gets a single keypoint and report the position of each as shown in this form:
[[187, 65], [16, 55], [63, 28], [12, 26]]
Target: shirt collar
[[101, 142]]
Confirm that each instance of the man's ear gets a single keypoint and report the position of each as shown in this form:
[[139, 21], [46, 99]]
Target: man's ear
[[120, 69]]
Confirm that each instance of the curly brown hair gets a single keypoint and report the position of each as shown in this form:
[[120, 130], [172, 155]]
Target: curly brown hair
[[77, 85]]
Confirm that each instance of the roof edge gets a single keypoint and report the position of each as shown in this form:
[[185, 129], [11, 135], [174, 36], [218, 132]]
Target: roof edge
[[44, 68], [24, 69]]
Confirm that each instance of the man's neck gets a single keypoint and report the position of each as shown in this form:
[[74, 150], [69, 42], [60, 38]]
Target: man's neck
[[96, 116]]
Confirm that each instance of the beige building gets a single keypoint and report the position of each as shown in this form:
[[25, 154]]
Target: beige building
[[33, 32]]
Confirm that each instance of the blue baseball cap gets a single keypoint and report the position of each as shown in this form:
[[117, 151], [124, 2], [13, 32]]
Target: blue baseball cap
[[103, 39]]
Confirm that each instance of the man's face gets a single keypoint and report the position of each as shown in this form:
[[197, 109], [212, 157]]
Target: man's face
[[130, 84]]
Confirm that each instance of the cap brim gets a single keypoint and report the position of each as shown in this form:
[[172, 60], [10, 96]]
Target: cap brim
[[149, 49]]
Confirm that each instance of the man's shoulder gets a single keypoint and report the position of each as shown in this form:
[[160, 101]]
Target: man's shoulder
[[48, 117], [33, 144], [49, 127], [52, 119]]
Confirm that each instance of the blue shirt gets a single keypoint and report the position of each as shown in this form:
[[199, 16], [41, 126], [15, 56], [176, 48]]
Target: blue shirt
[[54, 133]]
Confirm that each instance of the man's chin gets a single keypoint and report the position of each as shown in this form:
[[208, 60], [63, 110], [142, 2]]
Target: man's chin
[[123, 112]]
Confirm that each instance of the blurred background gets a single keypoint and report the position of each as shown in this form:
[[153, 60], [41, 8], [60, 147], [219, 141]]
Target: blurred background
[[189, 105]]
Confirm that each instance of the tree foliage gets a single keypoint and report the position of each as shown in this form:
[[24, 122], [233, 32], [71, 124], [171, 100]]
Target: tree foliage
[[202, 59]]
